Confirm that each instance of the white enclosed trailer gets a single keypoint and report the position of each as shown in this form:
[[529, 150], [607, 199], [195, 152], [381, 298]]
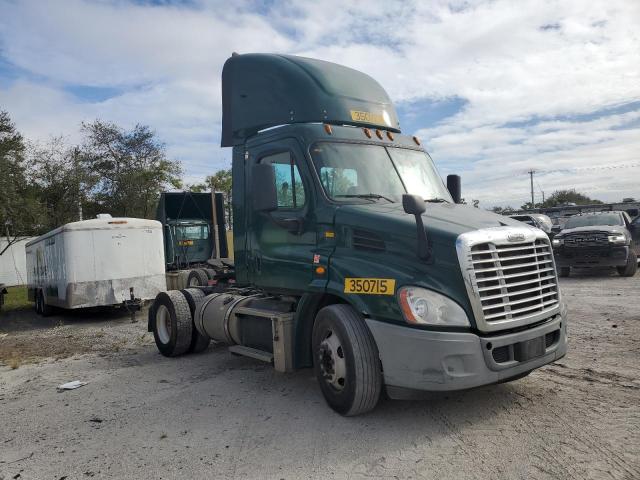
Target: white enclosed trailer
[[99, 262], [13, 263]]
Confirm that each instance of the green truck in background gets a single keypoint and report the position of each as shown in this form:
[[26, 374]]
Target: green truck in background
[[191, 221], [353, 257]]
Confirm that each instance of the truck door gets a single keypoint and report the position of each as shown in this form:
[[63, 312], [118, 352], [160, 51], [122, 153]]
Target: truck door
[[282, 243]]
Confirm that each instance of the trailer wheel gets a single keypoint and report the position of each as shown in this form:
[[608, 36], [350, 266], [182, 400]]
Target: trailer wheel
[[629, 270], [45, 308], [346, 360], [199, 342], [197, 278], [172, 324], [564, 271]]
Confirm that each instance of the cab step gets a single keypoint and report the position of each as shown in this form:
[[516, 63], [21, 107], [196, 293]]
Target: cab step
[[252, 352]]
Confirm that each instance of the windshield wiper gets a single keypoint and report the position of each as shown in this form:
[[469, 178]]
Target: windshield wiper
[[436, 200], [367, 196]]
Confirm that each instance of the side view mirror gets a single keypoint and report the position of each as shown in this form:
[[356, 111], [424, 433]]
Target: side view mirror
[[263, 188], [415, 205], [454, 185]]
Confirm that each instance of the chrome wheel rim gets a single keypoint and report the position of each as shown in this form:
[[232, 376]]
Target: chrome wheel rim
[[163, 324], [332, 362]]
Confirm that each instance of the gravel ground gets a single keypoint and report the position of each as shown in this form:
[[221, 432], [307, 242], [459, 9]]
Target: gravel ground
[[215, 415]]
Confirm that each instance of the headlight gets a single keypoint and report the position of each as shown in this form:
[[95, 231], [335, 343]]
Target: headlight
[[556, 242], [425, 307], [618, 238]]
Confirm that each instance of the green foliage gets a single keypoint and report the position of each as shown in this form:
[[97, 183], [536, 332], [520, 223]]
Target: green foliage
[[18, 207], [128, 169], [562, 197], [59, 181]]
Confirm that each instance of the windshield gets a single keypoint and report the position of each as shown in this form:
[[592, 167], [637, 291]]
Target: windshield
[[594, 220], [192, 232], [375, 172]]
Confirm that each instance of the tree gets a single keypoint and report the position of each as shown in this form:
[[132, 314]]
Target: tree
[[17, 206], [563, 197], [130, 168], [221, 181], [60, 182]]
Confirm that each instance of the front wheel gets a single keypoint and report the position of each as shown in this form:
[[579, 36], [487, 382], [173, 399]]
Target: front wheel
[[346, 360], [629, 270]]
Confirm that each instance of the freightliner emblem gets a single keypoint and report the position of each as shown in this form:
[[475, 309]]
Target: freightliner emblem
[[516, 237]]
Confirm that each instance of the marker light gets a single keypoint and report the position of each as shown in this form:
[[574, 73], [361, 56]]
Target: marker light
[[367, 132], [390, 136], [426, 307], [379, 134], [328, 129], [415, 139]]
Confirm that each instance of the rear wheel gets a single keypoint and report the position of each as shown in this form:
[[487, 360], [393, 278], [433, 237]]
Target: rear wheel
[[172, 325], [629, 270], [564, 271], [45, 309], [199, 342], [346, 360], [37, 304], [197, 278]]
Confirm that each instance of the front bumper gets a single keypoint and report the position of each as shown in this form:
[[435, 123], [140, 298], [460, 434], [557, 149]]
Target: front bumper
[[615, 256], [440, 361]]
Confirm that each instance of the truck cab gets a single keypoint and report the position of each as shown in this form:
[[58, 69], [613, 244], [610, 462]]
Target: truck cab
[[364, 264]]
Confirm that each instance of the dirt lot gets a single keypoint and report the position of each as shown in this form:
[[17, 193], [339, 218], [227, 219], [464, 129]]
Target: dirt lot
[[214, 415]]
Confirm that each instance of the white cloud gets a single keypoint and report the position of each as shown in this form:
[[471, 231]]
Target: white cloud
[[515, 63]]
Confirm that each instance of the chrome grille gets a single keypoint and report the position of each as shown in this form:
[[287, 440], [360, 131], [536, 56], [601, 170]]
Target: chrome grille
[[510, 283], [587, 239]]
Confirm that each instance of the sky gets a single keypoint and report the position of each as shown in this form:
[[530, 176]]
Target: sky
[[492, 88]]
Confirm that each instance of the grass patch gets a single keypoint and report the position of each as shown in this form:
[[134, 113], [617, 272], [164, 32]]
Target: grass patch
[[16, 299]]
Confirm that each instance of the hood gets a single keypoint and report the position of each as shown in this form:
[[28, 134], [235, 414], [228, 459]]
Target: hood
[[441, 220], [593, 228]]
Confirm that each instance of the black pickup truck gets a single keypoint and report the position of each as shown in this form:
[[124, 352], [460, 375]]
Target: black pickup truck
[[600, 239]]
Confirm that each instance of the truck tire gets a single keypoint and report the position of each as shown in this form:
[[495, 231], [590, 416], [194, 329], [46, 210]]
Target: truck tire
[[199, 342], [197, 278], [346, 360], [172, 325], [564, 271], [629, 270]]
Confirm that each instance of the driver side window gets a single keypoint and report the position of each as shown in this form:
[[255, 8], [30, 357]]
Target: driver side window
[[289, 187]]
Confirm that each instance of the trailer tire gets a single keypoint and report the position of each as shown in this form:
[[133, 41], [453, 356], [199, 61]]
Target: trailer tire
[[199, 342], [347, 367], [36, 304], [630, 269], [197, 278], [45, 309], [564, 271], [172, 325]]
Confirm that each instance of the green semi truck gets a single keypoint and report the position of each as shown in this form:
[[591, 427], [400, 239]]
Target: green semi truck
[[353, 257], [191, 222]]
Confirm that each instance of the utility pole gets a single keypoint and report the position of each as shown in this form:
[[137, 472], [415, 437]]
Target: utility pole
[[531, 172]]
